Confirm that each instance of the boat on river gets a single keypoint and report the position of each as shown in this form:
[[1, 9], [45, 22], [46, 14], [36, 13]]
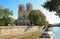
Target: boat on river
[[47, 35]]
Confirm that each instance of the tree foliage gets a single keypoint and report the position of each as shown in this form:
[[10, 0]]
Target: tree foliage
[[36, 17], [5, 16], [53, 5]]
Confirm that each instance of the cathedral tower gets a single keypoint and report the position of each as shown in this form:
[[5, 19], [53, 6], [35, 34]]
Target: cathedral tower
[[28, 7], [21, 10], [23, 14]]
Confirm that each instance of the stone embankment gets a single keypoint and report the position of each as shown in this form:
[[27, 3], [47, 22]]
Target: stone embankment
[[11, 31]]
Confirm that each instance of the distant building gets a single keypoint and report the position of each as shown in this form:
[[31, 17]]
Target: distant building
[[23, 14]]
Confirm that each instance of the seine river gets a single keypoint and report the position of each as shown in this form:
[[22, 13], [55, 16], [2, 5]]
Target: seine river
[[56, 30]]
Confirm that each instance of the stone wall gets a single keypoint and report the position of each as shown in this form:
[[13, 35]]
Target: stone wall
[[12, 30]]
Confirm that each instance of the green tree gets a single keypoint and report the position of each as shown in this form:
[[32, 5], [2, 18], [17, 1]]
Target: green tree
[[1, 12], [5, 16], [36, 17], [53, 5]]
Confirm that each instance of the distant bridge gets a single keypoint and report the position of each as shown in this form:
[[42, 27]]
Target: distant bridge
[[55, 25]]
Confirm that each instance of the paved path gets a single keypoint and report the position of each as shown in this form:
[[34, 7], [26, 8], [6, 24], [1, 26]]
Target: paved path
[[20, 35]]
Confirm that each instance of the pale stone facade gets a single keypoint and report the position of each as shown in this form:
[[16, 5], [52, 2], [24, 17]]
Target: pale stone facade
[[23, 14]]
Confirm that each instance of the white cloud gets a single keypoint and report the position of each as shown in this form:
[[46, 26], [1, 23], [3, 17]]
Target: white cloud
[[53, 19]]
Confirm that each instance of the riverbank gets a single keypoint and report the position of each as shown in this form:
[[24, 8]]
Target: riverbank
[[20, 32], [34, 35]]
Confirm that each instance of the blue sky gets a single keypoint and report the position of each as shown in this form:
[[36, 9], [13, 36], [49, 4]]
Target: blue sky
[[13, 5]]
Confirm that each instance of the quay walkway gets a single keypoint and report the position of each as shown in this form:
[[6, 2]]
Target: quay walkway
[[16, 32]]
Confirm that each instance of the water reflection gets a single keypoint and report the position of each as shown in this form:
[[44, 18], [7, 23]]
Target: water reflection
[[56, 30]]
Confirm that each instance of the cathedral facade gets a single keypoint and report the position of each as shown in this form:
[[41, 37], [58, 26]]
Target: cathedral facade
[[23, 14]]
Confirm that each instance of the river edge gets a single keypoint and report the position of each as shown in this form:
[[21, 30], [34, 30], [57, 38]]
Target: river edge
[[47, 34]]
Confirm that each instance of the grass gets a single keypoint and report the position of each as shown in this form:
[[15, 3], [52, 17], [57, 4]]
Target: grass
[[33, 35]]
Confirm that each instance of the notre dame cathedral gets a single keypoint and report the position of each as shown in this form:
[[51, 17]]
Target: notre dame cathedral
[[23, 14]]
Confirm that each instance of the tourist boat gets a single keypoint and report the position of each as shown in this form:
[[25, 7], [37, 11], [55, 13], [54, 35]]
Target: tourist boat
[[47, 35]]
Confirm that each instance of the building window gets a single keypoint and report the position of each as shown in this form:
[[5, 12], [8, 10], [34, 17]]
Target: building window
[[23, 22], [24, 16], [28, 7], [20, 9]]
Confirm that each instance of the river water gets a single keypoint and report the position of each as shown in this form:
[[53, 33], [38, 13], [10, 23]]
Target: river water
[[56, 30]]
